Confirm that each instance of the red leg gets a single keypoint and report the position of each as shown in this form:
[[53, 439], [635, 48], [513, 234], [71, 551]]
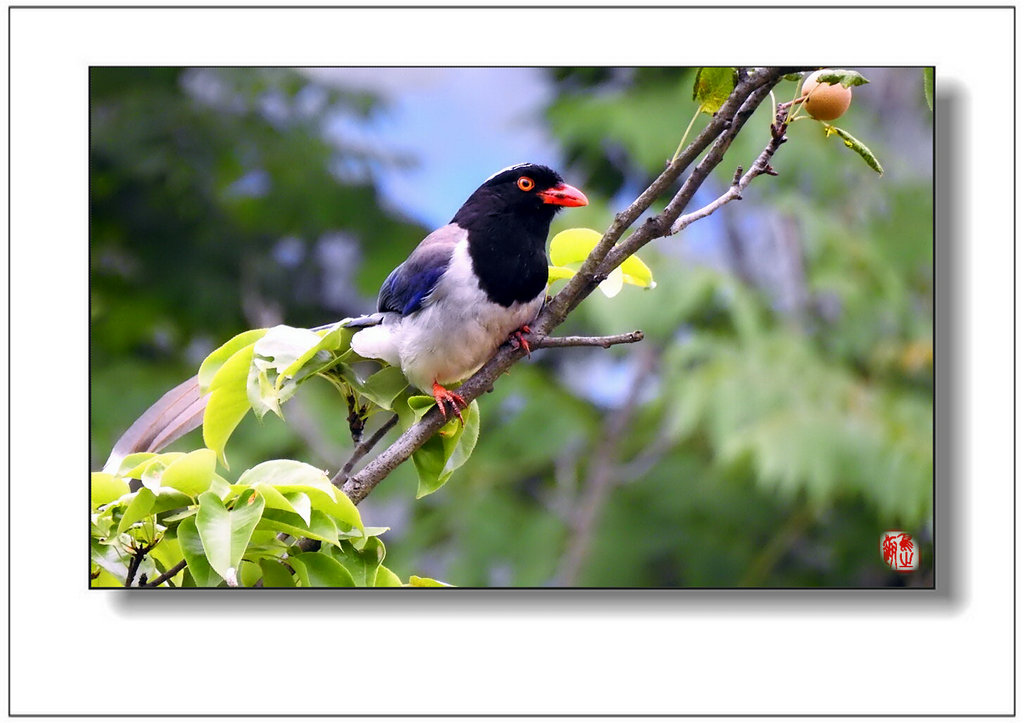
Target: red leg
[[518, 341], [442, 396]]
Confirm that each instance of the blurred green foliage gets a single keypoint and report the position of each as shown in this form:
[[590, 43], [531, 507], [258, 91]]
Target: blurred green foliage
[[782, 400], [199, 179]]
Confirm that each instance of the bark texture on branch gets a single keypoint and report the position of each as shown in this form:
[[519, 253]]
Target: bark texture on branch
[[752, 89]]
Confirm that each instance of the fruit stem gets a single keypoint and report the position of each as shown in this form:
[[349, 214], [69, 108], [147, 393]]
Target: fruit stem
[[679, 148], [796, 97]]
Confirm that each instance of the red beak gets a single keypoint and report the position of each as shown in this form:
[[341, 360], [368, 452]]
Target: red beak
[[563, 195]]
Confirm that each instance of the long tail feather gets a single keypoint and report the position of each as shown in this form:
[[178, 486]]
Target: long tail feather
[[174, 415], [178, 412]]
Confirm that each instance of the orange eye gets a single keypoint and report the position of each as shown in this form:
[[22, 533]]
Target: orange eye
[[525, 183]]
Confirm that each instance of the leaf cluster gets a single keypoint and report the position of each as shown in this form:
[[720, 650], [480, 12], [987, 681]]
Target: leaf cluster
[[254, 531]]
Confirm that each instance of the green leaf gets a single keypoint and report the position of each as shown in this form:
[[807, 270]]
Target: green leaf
[[845, 78], [110, 559], [361, 564], [195, 555], [212, 364], [249, 573], [300, 503], [432, 458], [180, 515], [134, 466], [168, 554], [273, 498], [289, 476], [637, 273], [228, 401], [386, 578], [335, 339], [140, 507], [275, 574], [411, 408], [559, 272], [105, 579], [101, 523], [383, 386], [416, 581], [466, 443], [929, 88], [317, 569], [193, 473], [168, 498], [321, 527], [104, 488], [152, 474], [862, 150], [712, 87], [792, 76], [279, 349], [278, 472], [225, 533], [573, 245]]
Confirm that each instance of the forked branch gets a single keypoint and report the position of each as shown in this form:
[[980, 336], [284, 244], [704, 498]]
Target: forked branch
[[752, 89]]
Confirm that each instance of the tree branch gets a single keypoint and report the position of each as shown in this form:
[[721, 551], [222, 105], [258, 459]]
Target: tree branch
[[750, 92], [138, 555], [554, 342], [360, 451], [762, 165], [594, 269], [157, 581]]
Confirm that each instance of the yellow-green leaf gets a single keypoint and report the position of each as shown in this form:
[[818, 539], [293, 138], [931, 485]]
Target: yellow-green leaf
[[573, 245], [228, 402], [289, 476], [140, 507], [104, 488], [317, 569], [191, 474], [637, 273], [416, 581], [712, 87], [212, 364], [386, 578], [225, 533], [559, 272]]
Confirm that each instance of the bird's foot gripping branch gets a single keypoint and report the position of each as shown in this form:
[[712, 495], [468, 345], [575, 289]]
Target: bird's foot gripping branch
[[284, 523]]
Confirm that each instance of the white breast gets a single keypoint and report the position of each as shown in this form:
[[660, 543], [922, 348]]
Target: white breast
[[456, 331]]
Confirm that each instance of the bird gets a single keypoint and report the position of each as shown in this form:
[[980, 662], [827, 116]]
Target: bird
[[468, 287]]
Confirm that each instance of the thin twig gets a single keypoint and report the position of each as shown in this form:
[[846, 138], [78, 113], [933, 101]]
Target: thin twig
[[360, 451], [554, 342], [157, 581], [740, 181]]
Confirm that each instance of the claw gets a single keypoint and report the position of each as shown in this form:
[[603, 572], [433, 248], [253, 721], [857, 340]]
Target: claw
[[518, 341], [443, 396]]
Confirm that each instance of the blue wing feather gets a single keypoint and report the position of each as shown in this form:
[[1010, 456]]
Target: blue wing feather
[[407, 287]]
